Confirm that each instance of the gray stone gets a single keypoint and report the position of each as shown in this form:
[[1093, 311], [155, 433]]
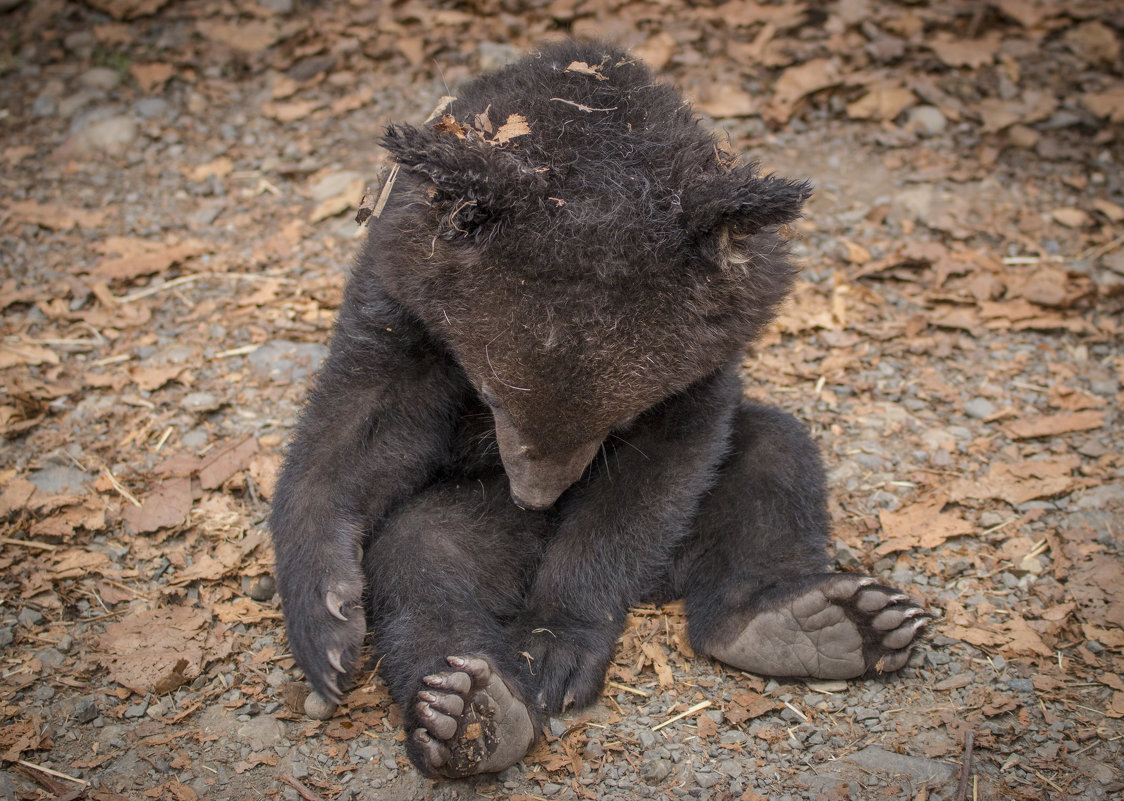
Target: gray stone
[[979, 408], [44, 106], [277, 6], [874, 758], [261, 732], [318, 707], [493, 55], [70, 104], [280, 360], [927, 120], [150, 107], [86, 709], [263, 589], [845, 556], [111, 136], [1102, 496], [654, 771], [201, 402], [706, 779], [58, 479], [137, 710], [915, 203], [50, 656], [29, 617], [333, 184], [101, 78]]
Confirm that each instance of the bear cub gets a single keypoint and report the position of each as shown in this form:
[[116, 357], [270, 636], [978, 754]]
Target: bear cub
[[531, 418]]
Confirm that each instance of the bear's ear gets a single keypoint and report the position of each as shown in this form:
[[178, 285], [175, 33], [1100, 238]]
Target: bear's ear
[[741, 202], [477, 179]]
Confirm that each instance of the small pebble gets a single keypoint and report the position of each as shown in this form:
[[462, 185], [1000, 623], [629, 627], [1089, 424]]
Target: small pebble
[[318, 707], [979, 408], [263, 588], [927, 120]]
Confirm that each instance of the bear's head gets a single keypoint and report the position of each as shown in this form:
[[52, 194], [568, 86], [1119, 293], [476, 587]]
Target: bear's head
[[605, 257]]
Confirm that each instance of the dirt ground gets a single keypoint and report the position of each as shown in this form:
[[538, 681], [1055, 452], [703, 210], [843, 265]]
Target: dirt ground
[[178, 182]]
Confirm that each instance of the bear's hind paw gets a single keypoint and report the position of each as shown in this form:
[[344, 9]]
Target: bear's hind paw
[[842, 626], [470, 721]]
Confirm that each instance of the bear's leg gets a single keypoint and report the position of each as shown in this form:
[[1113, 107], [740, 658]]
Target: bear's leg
[[444, 573], [756, 575]]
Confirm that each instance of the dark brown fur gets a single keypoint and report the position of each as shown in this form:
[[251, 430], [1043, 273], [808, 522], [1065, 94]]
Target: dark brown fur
[[586, 289]]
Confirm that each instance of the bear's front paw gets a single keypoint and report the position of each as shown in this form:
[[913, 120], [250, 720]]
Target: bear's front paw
[[836, 626], [326, 625], [567, 664], [470, 721]]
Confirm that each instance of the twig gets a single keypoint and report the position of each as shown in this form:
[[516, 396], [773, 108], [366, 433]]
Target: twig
[[121, 489], [1052, 784], [797, 712], [42, 546], [696, 708], [187, 279], [581, 107], [1101, 250], [51, 772], [965, 766], [627, 689], [304, 792], [242, 351]]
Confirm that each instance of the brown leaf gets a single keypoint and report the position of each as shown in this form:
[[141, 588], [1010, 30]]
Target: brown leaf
[[659, 662], [220, 168], [584, 69], [746, 705], [1022, 639], [128, 9], [657, 51], [515, 126], [1072, 218], [17, 737], [1073, 400], [15, 353], [1053, 424], [166, 507], [1094, 42], [1019, 482], [724, 99], [920, 525], [55, 216], [245, 610], [16, 493], [883, 102], [151, 77], [1108, 104], [227, 461], [157, 650], [136, 257], [149, 379], [955, 51], [248, 37], [290, 111], [798, 82]]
